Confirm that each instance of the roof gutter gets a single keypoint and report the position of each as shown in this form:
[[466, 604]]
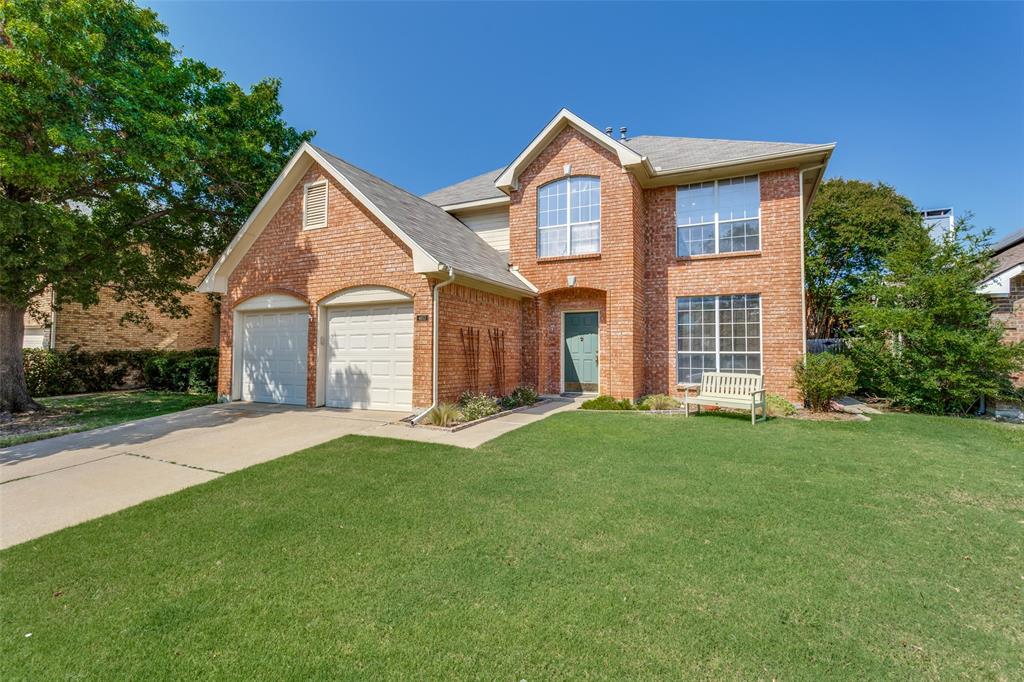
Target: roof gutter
[[436, 342]]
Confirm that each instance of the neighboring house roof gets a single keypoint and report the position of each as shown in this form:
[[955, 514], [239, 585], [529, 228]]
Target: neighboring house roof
[[435, 237], [651, 157], [1007, 266], [1008, 242]]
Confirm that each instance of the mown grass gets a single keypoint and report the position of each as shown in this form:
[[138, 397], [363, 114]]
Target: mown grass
[[583, 546], [70, 414]]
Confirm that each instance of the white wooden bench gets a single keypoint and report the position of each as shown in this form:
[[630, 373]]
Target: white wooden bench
[[735, 391]]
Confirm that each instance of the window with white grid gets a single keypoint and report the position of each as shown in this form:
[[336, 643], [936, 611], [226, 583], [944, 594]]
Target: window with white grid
[[719, 216], [569, 217], [717, 334]]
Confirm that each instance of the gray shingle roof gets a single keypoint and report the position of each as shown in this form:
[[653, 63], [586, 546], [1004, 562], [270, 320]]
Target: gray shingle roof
[[1008, 241], [677, 153], [664, 153], [435, 231], [478, 187]]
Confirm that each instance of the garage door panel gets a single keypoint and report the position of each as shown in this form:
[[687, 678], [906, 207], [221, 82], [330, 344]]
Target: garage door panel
[[370, 357], [274, 357]]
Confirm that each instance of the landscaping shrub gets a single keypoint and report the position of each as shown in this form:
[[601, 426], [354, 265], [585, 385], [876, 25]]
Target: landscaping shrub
[[824, 377], [182, 371], [657, 401], [779, 406], [445, 414], [606, 402], [477, 406], [49, 372], [519, 397]]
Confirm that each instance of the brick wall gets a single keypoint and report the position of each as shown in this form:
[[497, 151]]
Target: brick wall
[[465, 308], [1010, 313], [774, 273], [98, 327], [611, 277], [356, 249], [636, 278]]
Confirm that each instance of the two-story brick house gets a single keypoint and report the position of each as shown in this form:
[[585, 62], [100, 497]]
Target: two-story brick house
[[619, 266]]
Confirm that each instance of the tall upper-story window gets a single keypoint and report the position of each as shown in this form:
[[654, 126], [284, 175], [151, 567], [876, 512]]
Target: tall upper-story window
[[569, 217], [720, 216]]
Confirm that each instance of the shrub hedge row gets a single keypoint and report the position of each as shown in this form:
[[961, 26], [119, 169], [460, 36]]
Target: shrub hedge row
[[49, 372]]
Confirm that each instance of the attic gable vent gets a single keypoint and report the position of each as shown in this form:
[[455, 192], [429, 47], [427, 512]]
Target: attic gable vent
[[314, 205]]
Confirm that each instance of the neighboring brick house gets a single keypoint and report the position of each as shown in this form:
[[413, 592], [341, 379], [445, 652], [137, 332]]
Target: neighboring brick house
[[99, 327], [619, 266], [1006, 288]]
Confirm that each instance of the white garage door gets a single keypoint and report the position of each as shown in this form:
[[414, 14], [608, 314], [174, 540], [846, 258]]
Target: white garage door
[[274, 357], [369, 357]]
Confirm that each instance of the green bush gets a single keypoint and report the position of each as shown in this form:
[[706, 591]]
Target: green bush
[[657, 401], [923, 337], [477, 406], [445, 414], [779, 406], [519, 397], [50, 372], [606, 402], [182, 371], [824, 377]]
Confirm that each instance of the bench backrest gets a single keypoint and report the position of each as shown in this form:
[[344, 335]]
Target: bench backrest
[[730, 385]]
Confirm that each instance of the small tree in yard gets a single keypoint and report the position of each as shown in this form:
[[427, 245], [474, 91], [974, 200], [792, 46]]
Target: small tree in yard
[[922, 335], [121, 164], [849, 229]]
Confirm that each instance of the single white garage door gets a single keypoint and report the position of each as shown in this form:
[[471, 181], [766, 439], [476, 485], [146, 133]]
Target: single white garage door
[[274, 355], [369, 357]]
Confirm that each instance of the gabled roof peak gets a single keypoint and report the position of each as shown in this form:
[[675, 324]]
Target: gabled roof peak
[[509, 178]]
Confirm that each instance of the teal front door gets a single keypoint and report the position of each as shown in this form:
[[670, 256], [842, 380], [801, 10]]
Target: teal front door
[[580, 353]]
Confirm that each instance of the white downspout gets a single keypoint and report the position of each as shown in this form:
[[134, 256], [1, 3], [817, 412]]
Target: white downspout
[[803, 267], [436, 299]]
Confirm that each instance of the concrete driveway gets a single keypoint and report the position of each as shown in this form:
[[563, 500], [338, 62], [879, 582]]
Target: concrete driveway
[[51, 484]]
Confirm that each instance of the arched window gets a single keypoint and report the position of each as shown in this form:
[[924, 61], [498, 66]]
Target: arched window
[[569, 217]]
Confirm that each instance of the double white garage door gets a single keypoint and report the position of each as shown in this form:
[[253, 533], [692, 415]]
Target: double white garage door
[[367, 358]]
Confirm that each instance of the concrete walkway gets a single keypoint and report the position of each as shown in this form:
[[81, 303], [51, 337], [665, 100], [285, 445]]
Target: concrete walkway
[[55, 483]]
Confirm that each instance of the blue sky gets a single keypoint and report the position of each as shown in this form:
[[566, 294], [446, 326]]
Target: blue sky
[[926, 97]]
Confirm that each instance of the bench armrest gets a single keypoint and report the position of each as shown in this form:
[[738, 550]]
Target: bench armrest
[[760, 390]]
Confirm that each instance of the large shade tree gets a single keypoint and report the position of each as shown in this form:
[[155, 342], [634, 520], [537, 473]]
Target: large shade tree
[[850, 228], [122, 163]]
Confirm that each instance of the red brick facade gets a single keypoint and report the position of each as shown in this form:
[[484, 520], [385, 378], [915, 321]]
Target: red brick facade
[[632, 283], [636, 278], [99, 328], [611, 281]]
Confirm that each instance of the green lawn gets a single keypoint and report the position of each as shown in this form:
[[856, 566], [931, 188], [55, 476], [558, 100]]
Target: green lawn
[[69, 414], [584, 546]]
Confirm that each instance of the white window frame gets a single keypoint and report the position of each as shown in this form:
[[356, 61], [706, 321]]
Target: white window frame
[[568, 216], [717, 222], [718, 334], [305, 194]]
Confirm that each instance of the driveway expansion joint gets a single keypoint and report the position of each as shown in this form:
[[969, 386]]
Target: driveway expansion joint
[[168, 461]]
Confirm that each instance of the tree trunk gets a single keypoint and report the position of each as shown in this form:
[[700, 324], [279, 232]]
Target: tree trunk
[[14, 395]]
